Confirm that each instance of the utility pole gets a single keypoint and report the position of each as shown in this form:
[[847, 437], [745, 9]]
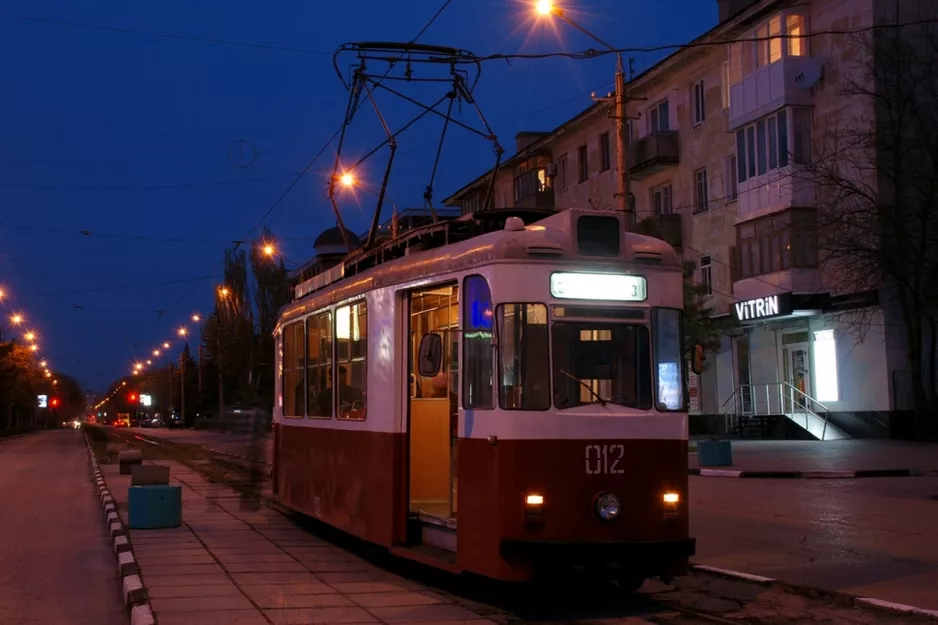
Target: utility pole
[[622, 141], [182, 384], [221, 386]]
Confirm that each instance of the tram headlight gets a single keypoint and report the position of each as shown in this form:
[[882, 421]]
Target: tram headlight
[[608, 506]]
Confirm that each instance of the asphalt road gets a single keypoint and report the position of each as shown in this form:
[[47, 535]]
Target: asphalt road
[[56, 562], [872, 537]]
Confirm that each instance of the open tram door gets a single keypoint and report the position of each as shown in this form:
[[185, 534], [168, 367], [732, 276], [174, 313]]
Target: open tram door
[[432, 413]]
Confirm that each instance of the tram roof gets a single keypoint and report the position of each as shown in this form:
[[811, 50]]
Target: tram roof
[[455, 245]]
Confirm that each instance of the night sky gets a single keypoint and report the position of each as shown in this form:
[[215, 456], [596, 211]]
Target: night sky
[[122, 175]]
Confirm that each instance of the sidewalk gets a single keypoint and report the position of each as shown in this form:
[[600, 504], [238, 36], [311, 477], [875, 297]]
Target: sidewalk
[[840, 458], [226, 566]]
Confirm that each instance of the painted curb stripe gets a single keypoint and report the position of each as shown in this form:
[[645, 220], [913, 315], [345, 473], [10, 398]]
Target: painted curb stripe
[[898, 607], [135, 593]]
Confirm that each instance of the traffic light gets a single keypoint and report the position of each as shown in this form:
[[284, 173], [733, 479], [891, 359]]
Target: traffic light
[[55, 402], [133, 397]]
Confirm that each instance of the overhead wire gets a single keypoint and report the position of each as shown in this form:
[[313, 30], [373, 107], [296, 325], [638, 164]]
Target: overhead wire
[[309, 165]]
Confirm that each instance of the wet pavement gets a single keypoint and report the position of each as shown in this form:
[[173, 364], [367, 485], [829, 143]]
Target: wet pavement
[[56, 561], [840, 455]]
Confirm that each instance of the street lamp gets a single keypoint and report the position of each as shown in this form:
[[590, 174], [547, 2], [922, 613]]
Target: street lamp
[[16, 319], [196, 318], [547, 8], [30, 336]]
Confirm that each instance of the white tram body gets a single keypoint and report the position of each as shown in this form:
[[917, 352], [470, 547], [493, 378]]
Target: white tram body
[[551, 422]]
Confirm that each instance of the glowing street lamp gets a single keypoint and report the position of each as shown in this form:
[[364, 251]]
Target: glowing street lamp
[[166, 345], [156, 352], [196, 318], [546, 8], [183, 331], [269, 250], [149, 362], [347, 180], [43, 364], [30, 336], [223, 291], [34, 347], [16, 319]]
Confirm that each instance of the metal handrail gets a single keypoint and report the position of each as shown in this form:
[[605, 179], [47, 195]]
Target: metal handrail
[[785, 391]]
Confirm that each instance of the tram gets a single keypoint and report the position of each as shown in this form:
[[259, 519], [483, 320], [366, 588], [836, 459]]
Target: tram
[[499, 401]]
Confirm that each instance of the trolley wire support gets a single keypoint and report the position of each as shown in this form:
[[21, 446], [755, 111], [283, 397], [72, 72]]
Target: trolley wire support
[[462, 71]]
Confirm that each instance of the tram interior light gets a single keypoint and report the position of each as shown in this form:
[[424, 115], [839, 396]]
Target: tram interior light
[[534, 500]]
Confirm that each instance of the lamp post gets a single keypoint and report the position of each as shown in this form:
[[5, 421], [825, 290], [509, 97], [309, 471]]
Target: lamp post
[[548, 9]]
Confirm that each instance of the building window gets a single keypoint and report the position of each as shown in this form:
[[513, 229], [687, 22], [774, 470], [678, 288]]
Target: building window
[[319, 366], [795, 30], [699, 108], [524, 361], [659, 117], [706, 275], [701, 192], [763, 146], [801, 135], [294, 362], [769, 47], [562, 173], [583, 163], [478, 364], [777, 242], [604, 152], [351, 348], [729, 178], [661, 200]]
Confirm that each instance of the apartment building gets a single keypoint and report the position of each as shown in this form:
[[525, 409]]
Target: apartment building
[[720, 133]]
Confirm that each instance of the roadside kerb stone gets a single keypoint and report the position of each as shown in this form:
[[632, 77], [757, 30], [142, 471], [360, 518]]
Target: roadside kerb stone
[[135, 595], [817, 475]]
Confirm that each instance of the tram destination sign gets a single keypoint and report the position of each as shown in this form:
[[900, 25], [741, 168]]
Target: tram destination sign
[[763, 307], [598, 286]]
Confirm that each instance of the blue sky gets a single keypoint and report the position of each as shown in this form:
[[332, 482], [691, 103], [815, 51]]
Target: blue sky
[[136, 140]]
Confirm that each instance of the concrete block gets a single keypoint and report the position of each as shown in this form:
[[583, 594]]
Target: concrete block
[[714, 454], [128, 459], [153, 507], [149, 475]]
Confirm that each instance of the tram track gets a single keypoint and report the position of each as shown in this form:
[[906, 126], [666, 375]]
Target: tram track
[[575, 602]]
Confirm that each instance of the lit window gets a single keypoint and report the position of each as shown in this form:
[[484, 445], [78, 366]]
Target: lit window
[[825, 365], [794, 25]]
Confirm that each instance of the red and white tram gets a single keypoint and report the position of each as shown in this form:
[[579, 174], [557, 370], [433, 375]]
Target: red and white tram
[[527, 381]]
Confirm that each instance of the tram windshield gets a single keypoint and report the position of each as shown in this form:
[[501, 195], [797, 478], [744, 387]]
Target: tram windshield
[[598, 362]]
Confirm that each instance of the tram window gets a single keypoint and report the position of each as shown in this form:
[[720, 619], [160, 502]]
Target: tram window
[[594, 360], [351, 341], [598, 236], [524, 362], [294, 359], [666, 327], [478, 366], [319, 366]]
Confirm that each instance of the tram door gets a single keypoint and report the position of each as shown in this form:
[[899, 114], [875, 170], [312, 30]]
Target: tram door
[[433, 406]]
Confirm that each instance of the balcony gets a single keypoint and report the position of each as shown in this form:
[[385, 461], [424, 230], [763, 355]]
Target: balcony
[[668, 228], [543, 200], [653, 154], [786, 82]]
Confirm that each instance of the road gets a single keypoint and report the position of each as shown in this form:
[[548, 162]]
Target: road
[[56, 562], [871, 537]]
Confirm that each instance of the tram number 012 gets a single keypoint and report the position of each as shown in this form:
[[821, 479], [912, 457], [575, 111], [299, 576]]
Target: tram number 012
[[604, 459]]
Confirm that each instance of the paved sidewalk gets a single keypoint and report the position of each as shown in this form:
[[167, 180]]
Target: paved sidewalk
[[226, 566], [841, 458]]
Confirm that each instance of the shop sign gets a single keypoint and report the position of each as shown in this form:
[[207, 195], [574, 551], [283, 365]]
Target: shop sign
[[763, 307]]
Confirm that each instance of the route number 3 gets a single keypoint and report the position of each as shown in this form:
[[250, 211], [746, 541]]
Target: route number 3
[[604, 459]]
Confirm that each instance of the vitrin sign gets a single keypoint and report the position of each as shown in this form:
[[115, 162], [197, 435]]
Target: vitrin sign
[[763, 307]]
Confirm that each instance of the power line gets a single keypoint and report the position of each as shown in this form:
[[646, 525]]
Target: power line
[[156, 187], [139, 285], [128, 31], [315, 157]]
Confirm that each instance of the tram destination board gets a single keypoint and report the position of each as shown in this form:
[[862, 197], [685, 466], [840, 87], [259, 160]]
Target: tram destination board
[[598, 286]]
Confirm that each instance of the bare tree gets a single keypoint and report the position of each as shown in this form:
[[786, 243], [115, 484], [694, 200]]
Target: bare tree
[[876, 179]]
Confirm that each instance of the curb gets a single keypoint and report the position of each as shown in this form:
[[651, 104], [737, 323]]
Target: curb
[[135, 593], [816, 475], [860, 602]]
